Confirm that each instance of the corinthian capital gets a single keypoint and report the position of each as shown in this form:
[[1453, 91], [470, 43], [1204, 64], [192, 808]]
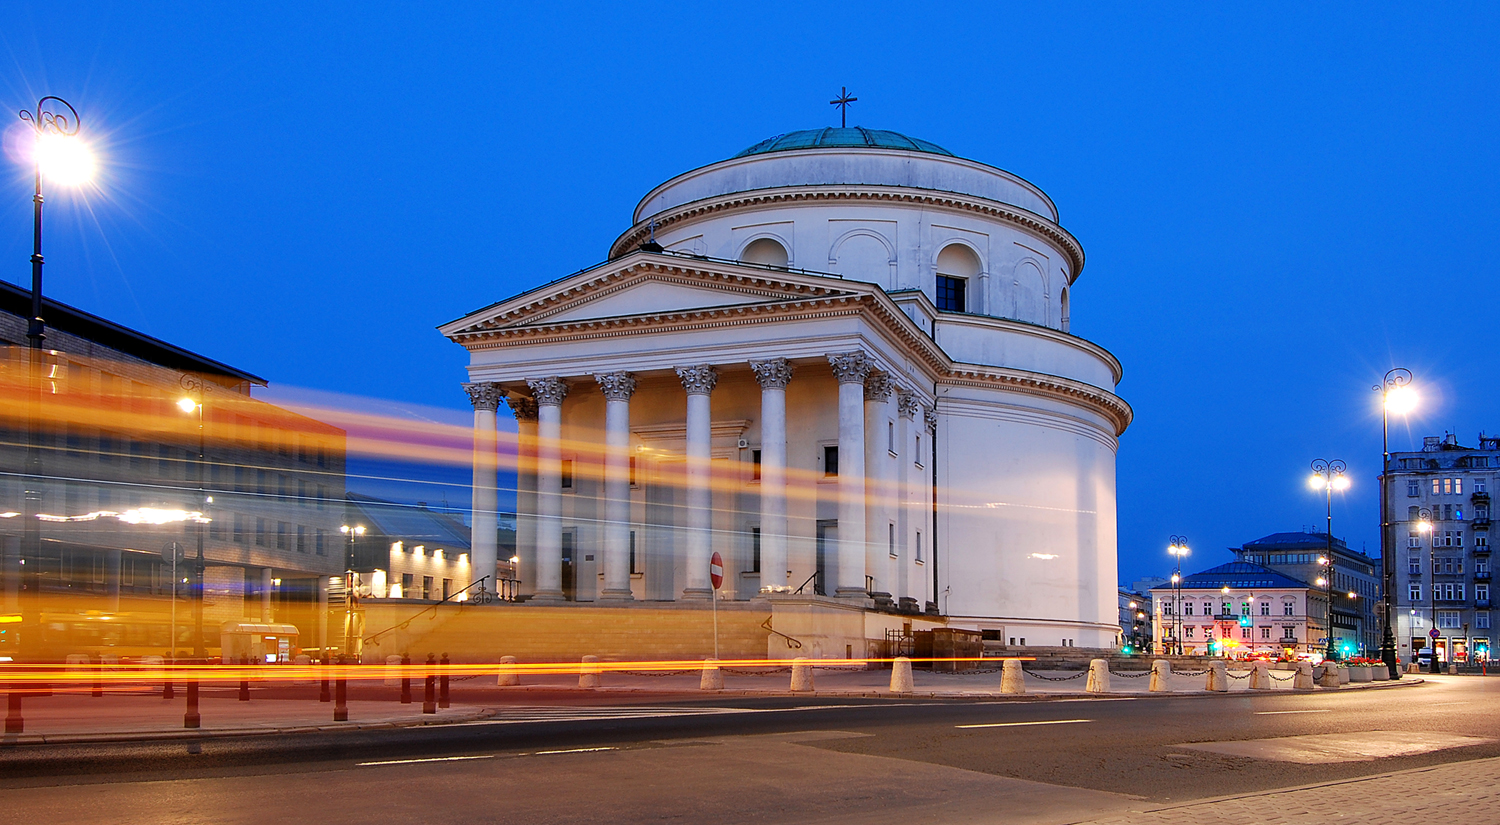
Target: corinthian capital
[[699, 380], [878, 386], [773, 373], [617, 386], [524, 408], [548, 392], [907, 405], [484, 396], [850, 367], [930, 417]]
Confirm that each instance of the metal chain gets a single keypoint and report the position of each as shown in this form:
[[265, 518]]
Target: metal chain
[[772, 672], [1234, 675], [1189, 672], [1079, 675], [657, 674], [1136, 675], [1291, 675], [971, 672]]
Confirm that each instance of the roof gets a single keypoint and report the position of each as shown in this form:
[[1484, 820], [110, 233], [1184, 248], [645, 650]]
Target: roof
[[1294, 540], [852, 137], [1237, 575], [17, 301], [412, 524]]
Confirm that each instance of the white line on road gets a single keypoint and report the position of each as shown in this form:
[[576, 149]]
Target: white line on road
[[572, 750], [1022, 724], [1279, 712], [429, 759]]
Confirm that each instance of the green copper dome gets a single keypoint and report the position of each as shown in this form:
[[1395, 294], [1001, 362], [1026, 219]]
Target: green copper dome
[[853, 137]]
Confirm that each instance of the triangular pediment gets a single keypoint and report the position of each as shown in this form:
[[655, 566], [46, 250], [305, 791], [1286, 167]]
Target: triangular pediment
[[642, 291]]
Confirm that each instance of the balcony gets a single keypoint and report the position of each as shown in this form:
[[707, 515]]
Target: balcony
[[1484, 603], [1480, 498], [1481, 575], [1481, 522], [1481, 549]]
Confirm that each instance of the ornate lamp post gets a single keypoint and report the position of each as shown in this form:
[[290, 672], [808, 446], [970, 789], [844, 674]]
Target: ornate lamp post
[[1329, 476], [1396, 395], [1178, 549], [1424, 525], [353, 532], [57, 151]]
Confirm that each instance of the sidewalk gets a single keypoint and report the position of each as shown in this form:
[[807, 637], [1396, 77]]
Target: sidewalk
[[1463, 792], [138, 713]]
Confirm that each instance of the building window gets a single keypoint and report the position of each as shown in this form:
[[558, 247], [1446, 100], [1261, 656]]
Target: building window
[[917, 459], [754, 549], [260, 532], [1482, 619], [755, 465], [1414, 593], [447, 588], [1447, 619], [1413, 540], [1481, 591], [427, 587], [1187, 608], [1437, 486], [301, 538], [1458, 487], [890, 437], [1287, 609], [1166, 608], [830, 461], [406, 581], [320, 540], [1244, 633], [1265, 632], [1413, 489], [322, 496], [1479, 485], [890, 540], [239, 529], [919, 547], [635, 565], [950, 293], [1414, 565], [1265, 608], [280, 535], [1188, 631], [567, 474]]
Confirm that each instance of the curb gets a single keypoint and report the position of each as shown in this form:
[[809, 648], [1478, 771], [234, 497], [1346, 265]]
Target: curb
[[225, 733]]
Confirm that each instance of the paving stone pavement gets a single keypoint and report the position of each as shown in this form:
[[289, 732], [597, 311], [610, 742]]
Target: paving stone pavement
[[1463, 793]]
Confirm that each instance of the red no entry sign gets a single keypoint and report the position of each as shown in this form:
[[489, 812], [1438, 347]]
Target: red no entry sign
[[716, 570]]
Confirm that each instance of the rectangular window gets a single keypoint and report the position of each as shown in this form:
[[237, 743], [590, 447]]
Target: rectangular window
[[1265, 632], [755, 465], [635, 565], [322, 496], [447, 588], [1437, 486], [1166, 609], [1447, 619], [890, 540], [1414, 566], [406, 581], [567, 474], [1413, 489], [1287, 608], [301, 538], [1481, 591], [1447, 486], [427, 587], [830, 461], [754, 549], [1479, 485], [1188, 632], [239, 528], [890, 437], [919, 546], [1482, 620], [320, 542], [1458, 487], [917, 459], [1265, 608], [633, 481], [281, 535], [1414, 593], [1187, 608], [260, 532], [1244, 633], [950, 293]]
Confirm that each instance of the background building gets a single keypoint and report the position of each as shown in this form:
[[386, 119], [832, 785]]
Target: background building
[[1356, 626], [124, 417], [1439, 504], [1135, 621], [1239, 609]]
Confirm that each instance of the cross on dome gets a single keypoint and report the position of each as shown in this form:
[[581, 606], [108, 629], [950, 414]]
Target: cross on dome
[[843, 103]]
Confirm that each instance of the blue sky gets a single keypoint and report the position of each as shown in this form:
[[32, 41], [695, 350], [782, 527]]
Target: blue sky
[[1277, 204]]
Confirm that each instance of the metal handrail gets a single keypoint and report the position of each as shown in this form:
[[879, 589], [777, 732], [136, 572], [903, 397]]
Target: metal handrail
[[432, 608]]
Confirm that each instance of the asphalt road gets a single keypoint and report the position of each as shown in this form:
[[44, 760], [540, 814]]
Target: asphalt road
[[768, 760]]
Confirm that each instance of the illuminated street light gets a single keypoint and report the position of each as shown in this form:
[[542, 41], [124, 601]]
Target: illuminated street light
[[353, 532], [1396, 395], [1329, 476], [1178, 549]]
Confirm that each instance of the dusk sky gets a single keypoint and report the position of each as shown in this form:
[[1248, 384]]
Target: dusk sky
[[1277, 205]]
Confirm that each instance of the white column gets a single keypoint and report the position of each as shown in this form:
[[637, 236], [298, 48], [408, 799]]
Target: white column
[[773, 375], [907, 408], [851, 369], [525, 411], [878, 485], [931, 502], [617, 388], [549, 394], [699, 382], [484, 521]]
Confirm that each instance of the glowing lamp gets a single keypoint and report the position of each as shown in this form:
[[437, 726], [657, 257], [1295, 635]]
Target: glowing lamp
[[187, 405], [65, 159], [1401, 400]]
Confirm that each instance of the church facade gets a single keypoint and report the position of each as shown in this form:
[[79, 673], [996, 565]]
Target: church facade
[[841, 360]]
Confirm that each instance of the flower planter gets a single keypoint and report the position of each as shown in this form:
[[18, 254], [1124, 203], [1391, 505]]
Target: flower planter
[[1359, 673]]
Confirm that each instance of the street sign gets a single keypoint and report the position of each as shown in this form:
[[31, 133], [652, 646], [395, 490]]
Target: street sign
[[1434, 633], [716, 570]]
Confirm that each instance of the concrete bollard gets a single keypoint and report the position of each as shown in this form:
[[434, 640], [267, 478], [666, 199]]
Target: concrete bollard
[[392, 671], [1161, 676], [1260, 675], [1360, 673], [1304, 678], [1452, 670], [802, 675], [1098, 676], [1343, 673], [1218, 677], [1330, 676], [588, 673], [901, 681], [509, 676], [713, 678], [1012, 678]]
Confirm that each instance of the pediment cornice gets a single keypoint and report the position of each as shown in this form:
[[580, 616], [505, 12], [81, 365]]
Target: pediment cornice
[[1110, 405], [1029, 221]]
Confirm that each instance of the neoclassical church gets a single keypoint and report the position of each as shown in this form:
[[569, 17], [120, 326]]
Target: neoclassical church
[[840, 359]]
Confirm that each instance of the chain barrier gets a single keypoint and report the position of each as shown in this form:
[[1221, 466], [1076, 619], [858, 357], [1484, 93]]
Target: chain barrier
[[1290, 676], [734, 671], [655, 674], [1190, 673], [1135, 675], [1079, 675], [971, 672], [1231, 674]]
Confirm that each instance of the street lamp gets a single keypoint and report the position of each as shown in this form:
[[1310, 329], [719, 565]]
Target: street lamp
[[57, 151], [353, 532], [1178, 549], [190, 404], [1424, 525], [1396, 395], [1329, 476]]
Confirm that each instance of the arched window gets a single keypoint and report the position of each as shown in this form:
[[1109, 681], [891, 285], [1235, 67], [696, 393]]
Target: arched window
[[1067, 311], [765, 251], [957, 267]]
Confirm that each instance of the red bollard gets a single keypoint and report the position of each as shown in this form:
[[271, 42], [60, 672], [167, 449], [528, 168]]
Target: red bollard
[[245, 682], [191, 719], [99, 679], [405, 679], [429, 703], [341, 695], [323, 691], [14, 723], [443, 684], [167, 691]]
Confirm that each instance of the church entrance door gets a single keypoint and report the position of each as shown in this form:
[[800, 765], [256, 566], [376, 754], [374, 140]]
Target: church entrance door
[[828, 541]]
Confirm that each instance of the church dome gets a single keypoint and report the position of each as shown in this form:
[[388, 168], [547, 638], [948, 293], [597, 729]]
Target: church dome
[[853, 137]]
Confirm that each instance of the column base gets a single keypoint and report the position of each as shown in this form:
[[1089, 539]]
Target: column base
[[851, 593], [616, 596], [697, 594], [548, 597]]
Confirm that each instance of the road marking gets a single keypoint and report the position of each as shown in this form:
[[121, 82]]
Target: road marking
[[1022, 724], [429, 759], [570, 750], [1279, 712], [531, 715]]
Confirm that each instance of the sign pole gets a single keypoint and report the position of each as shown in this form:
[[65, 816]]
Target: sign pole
[[716, 578]]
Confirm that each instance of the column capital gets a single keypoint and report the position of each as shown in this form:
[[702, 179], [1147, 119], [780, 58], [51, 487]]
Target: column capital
[[524, 408], [617, 386], [484, 396], [548, 392], [772, 373], [878, 386], [850, 367], [699, 380], [907, 405], [930, 418]]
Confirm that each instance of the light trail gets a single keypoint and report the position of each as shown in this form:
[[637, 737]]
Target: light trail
[[1025, 724]]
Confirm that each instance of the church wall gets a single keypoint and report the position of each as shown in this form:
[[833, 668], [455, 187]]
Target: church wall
[[994, 343]]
